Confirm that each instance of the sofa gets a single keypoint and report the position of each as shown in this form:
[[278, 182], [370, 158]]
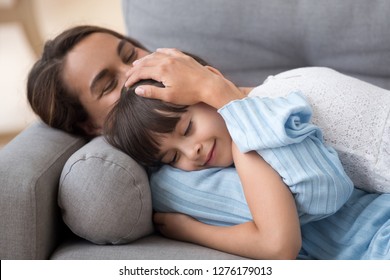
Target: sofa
[[62, 197]]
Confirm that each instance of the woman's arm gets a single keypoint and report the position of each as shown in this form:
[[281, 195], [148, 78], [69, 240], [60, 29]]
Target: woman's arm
[[186, 81], [274, 232]]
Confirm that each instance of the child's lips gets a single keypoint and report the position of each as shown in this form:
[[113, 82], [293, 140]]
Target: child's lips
[[210, 155]]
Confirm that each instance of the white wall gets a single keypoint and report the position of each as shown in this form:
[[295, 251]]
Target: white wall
[[17, 57]]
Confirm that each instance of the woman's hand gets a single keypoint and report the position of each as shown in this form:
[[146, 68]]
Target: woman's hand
[[186, 81]]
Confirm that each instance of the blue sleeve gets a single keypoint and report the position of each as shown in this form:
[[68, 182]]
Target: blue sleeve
[[279, 129], [213, 196], [257, 123]]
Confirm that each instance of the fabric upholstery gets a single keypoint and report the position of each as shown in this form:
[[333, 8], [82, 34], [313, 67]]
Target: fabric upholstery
[[30, 168], [249, 40], [104, 195], [153, 247]]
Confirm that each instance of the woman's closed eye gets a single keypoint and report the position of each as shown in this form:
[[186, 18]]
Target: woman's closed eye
[[110, 86], [132, 55]]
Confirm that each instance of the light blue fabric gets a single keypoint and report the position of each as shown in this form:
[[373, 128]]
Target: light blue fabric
[[359, 230], [279, 129], [215, 196]]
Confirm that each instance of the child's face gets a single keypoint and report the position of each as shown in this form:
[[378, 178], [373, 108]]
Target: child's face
[[200, 140]]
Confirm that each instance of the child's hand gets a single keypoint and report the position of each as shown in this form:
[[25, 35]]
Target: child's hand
[[174, 225]]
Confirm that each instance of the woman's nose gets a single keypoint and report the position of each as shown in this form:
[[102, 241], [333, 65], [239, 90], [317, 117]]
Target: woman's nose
[[125, 69], [124, 72]]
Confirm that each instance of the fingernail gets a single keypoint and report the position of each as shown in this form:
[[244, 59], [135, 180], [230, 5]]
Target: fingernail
[[139, 91], [136, 62]]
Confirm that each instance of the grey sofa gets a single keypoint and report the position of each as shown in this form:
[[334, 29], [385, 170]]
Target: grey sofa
[[53, 197]]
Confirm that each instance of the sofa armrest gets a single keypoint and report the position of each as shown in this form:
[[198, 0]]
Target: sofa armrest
[[30, 168]]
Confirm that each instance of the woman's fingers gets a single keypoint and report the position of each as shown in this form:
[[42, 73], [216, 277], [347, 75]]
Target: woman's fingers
[[186, 81], [142, 73], [153, 92], [156, 66], [144, 68], [171, 52]]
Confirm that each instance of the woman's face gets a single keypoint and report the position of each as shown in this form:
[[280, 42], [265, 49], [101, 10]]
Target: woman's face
[[95, 69], [200, 140]]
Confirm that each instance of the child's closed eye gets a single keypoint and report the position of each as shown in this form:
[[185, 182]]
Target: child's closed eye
[[174, 159], [188, 129]]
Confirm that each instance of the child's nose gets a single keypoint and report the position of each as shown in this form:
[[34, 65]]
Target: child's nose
[[195, 152]]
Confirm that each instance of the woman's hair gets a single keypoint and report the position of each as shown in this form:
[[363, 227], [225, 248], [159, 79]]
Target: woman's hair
[[135, 124], [47, 93]]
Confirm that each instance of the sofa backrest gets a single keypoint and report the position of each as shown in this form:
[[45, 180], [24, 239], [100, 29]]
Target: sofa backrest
[[251, 39]]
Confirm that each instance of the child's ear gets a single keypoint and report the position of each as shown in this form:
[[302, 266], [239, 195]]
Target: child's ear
[[90, 129], [214, 70]]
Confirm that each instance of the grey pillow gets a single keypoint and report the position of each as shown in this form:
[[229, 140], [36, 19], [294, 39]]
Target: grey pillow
[[104, 195]]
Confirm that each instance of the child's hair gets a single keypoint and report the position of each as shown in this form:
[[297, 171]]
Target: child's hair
[[135, 124]]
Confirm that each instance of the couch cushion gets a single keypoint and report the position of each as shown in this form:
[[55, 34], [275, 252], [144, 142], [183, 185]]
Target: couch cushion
[[152, 247], [30, 168], [250, 39], [105, 196]]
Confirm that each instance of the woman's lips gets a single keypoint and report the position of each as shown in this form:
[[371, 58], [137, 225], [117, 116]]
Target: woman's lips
[[210, 155]]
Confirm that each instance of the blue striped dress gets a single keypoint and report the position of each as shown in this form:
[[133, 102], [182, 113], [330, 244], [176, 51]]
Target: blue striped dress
[[335, 224]]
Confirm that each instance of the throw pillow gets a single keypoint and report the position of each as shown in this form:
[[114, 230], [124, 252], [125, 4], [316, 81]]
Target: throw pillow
[[104, 195]]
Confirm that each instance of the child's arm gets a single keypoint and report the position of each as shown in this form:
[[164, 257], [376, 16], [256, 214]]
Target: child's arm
[[274, 232], [279, 129]]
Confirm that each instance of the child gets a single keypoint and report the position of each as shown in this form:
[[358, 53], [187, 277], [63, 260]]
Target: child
[[196, 137]]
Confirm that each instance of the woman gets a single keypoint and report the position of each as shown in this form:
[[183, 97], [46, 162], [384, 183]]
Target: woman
[[80, 76], [81, 73]]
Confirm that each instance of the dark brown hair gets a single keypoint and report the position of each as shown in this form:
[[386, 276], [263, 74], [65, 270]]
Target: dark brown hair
[[135, 124], [47, 93]]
